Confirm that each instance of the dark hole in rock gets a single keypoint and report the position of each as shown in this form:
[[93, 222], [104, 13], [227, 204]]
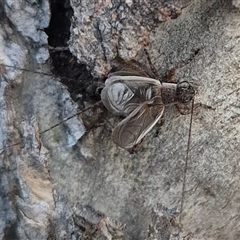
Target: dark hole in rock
[[10, 232], [79, 81]]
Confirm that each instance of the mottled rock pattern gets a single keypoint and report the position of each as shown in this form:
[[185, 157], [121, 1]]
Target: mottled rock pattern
[[103, 30], [59, 183]]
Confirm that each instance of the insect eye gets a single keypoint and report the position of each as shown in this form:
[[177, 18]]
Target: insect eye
[[185, 92], [184, 85]]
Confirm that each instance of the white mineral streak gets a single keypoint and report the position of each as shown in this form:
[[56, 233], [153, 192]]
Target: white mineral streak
[[77, 129], [3, 114], [129, 2], [22, 153], [10, 54], [30, 20], [236, 3], [27, 161]]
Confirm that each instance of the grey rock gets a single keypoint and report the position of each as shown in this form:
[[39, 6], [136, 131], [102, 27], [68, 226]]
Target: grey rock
[[65, 179]]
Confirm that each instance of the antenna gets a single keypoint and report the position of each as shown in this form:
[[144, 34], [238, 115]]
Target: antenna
[[68, 118], [186, 163], [26, 70]]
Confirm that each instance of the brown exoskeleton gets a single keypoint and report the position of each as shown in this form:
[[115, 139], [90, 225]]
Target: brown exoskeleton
[[141, 100]]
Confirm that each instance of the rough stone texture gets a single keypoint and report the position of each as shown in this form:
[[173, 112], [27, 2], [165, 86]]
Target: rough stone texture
[[236, 3], [103, 30], [71, 181]]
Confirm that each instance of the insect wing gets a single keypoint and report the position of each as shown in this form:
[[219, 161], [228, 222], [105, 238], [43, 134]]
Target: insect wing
[[123, 94], [131, 130]]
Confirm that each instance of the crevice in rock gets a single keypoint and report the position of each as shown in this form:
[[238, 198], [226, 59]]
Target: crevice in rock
[[10, 232], [79, 81]]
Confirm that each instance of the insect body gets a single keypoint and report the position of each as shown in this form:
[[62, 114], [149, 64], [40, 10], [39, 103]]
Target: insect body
[[141, 100]]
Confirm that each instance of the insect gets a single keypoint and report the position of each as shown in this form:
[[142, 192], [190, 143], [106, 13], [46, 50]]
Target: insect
[[142, 101]]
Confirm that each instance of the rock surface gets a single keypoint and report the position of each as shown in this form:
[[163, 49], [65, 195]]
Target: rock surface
[[69, 180]]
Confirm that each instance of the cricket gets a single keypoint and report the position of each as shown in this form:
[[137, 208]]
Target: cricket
[[134, 93], [142, 101], [140, 98]]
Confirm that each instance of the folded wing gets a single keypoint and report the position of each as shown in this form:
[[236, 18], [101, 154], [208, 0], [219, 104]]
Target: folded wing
[[130, 131], [123, 94]]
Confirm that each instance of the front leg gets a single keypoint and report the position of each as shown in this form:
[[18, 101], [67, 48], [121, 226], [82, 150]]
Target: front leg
[[185, 109]]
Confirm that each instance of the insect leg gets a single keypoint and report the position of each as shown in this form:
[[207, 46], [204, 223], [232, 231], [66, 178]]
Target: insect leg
[[152, 68], [185, 109]]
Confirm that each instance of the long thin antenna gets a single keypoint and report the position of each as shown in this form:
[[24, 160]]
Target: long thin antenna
[[152, 68], [68, 118], [26, 70], [186, 164], [57, 124]]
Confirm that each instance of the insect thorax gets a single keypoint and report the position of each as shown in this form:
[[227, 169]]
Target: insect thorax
[[182, 92], [169, 93]]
